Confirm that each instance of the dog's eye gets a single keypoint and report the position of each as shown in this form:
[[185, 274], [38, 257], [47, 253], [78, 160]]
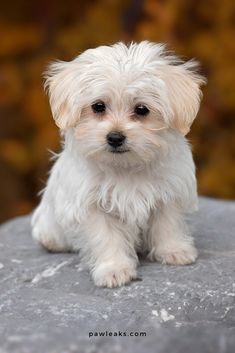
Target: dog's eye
[[98, 107], [141, 110]]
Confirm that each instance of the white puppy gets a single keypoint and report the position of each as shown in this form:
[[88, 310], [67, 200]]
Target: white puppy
[[125, 177]]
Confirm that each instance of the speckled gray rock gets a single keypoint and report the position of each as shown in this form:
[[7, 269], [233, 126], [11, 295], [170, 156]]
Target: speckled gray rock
[[48, 302]]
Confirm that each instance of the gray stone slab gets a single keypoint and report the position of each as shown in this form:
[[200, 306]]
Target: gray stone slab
[[48, 302]]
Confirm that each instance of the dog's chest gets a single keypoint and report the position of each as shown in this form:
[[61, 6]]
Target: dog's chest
[[129, 198]]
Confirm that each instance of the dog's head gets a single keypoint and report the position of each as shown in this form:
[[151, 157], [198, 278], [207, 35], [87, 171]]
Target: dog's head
[[119, 101]]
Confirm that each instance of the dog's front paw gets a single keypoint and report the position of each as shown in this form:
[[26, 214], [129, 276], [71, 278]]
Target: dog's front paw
[[48, 241], [113, 276], [177, 253]]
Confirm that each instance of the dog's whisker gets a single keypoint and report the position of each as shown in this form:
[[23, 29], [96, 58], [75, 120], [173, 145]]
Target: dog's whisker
[[92, 153], [153, 129]]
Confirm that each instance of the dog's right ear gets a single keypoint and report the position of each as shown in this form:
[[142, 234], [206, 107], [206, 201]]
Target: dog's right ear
[[59, 77]]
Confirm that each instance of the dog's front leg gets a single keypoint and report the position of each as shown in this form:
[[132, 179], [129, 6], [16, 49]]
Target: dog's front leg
[[110, 250], [168, 239]]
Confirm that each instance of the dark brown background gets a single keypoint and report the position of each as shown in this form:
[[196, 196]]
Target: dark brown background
[[34, 33]]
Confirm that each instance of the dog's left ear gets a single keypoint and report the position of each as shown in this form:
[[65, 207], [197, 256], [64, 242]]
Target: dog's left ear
[[183, 87], [60, 79]]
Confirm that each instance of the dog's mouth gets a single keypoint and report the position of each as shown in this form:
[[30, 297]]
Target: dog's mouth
[[119, 151]]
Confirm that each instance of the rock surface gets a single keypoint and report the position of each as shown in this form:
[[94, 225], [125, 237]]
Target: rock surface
[[48, 302]]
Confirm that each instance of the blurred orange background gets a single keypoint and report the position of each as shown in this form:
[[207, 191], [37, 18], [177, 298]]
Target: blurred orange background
[[34, 33]]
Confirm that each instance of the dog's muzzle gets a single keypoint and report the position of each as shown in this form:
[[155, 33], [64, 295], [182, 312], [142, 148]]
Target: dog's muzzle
[[116, 140]]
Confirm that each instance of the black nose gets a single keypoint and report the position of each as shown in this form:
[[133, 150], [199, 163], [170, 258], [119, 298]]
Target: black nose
[[115, 139]]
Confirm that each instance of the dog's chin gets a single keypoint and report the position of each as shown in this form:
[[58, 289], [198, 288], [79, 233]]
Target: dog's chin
[[121, 157]]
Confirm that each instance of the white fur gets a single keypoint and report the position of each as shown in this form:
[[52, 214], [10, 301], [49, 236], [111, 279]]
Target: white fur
[[109, 206]]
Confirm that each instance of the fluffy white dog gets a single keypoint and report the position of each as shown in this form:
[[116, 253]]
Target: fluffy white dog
[[125, 177]]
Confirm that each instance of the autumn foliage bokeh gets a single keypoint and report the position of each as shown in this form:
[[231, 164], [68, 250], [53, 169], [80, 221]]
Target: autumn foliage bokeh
[[35, 33]]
